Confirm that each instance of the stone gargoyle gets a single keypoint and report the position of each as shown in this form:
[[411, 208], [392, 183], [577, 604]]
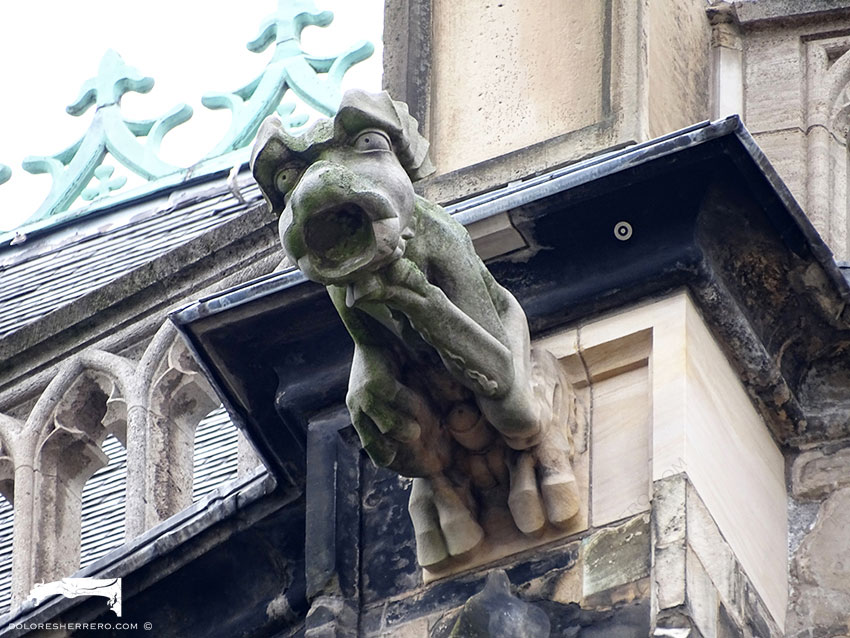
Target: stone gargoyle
[[444, 386]]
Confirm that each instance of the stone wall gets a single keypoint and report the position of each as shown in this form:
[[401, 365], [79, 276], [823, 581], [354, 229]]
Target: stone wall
[[552, 86], [595, 585], [797, 72], [549, 86], [820, 543], [651, 554]]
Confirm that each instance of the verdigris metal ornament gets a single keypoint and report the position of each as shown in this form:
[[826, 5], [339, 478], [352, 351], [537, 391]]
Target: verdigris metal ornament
[[316, 80], [73, 168]]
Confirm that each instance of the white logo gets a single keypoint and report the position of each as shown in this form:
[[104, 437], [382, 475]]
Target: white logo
[[109, 588]]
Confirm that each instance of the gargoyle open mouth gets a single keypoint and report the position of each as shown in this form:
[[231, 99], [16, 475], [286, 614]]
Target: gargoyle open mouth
[[340, 239]]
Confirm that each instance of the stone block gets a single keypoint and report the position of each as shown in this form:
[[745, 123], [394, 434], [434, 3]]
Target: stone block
[[389, 549], [669, 518], [758, 619], [620, 444], [705, 426], [822, 557], [822, 610], [821, 593], [670, 566], [561, 53], [555, 575], [414, 629], [735, 466], [786, 150], [816, 473], [726, 625], [773, 90], [713, 553], [536, 575], [702, 596], [678, 45], [785, 10], [616, 556], [669, 536]]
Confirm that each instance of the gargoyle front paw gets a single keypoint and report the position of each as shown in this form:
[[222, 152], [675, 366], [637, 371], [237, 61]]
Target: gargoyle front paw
[[397, 427]]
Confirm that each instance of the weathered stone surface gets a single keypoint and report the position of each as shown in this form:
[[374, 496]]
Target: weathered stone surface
[[763, 10], [713, 555], [726, 625], [678, 42], [669, 529], [816, 473], [620, 441], [616, 556], [496, 613], [699, 583], [702, 596], [389, 549], [786, 149], [795, 76], [537, 108], [547, 574], [630, 620], [821, 594]]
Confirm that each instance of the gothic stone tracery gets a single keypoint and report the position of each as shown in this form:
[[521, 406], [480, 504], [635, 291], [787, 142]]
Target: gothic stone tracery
[[153, 407]]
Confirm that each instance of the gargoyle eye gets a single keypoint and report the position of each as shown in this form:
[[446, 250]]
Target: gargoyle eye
[[285, 179], [372, 141]]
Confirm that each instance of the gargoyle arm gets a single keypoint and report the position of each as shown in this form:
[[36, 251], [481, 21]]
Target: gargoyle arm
[[477, 358], [383, 410]]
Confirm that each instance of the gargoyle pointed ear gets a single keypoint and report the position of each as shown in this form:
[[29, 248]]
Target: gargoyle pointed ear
[[269, 152], [416, 161]]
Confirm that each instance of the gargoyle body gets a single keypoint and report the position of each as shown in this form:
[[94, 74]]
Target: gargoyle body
[[444, 385]]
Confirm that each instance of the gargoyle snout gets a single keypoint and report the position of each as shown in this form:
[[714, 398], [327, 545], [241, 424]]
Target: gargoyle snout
[[338, 223]]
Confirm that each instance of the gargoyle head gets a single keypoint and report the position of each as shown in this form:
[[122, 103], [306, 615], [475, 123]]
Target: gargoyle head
[[343, 189]]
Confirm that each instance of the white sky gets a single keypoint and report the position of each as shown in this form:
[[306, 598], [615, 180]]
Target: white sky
[[49, 48]]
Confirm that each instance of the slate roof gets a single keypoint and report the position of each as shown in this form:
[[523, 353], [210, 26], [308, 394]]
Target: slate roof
[[49, 271]]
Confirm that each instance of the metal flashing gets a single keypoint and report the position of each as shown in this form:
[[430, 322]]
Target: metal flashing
[[492, 203]]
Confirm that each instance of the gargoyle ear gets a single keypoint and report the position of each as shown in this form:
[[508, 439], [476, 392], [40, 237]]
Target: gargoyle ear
[[416, 161], [360, 110], [270, 151]]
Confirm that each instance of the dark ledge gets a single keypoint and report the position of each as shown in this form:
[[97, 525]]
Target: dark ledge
[[707, 212], [187, 576]]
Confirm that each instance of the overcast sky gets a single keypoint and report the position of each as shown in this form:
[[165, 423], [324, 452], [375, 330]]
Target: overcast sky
[[48, 49]]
